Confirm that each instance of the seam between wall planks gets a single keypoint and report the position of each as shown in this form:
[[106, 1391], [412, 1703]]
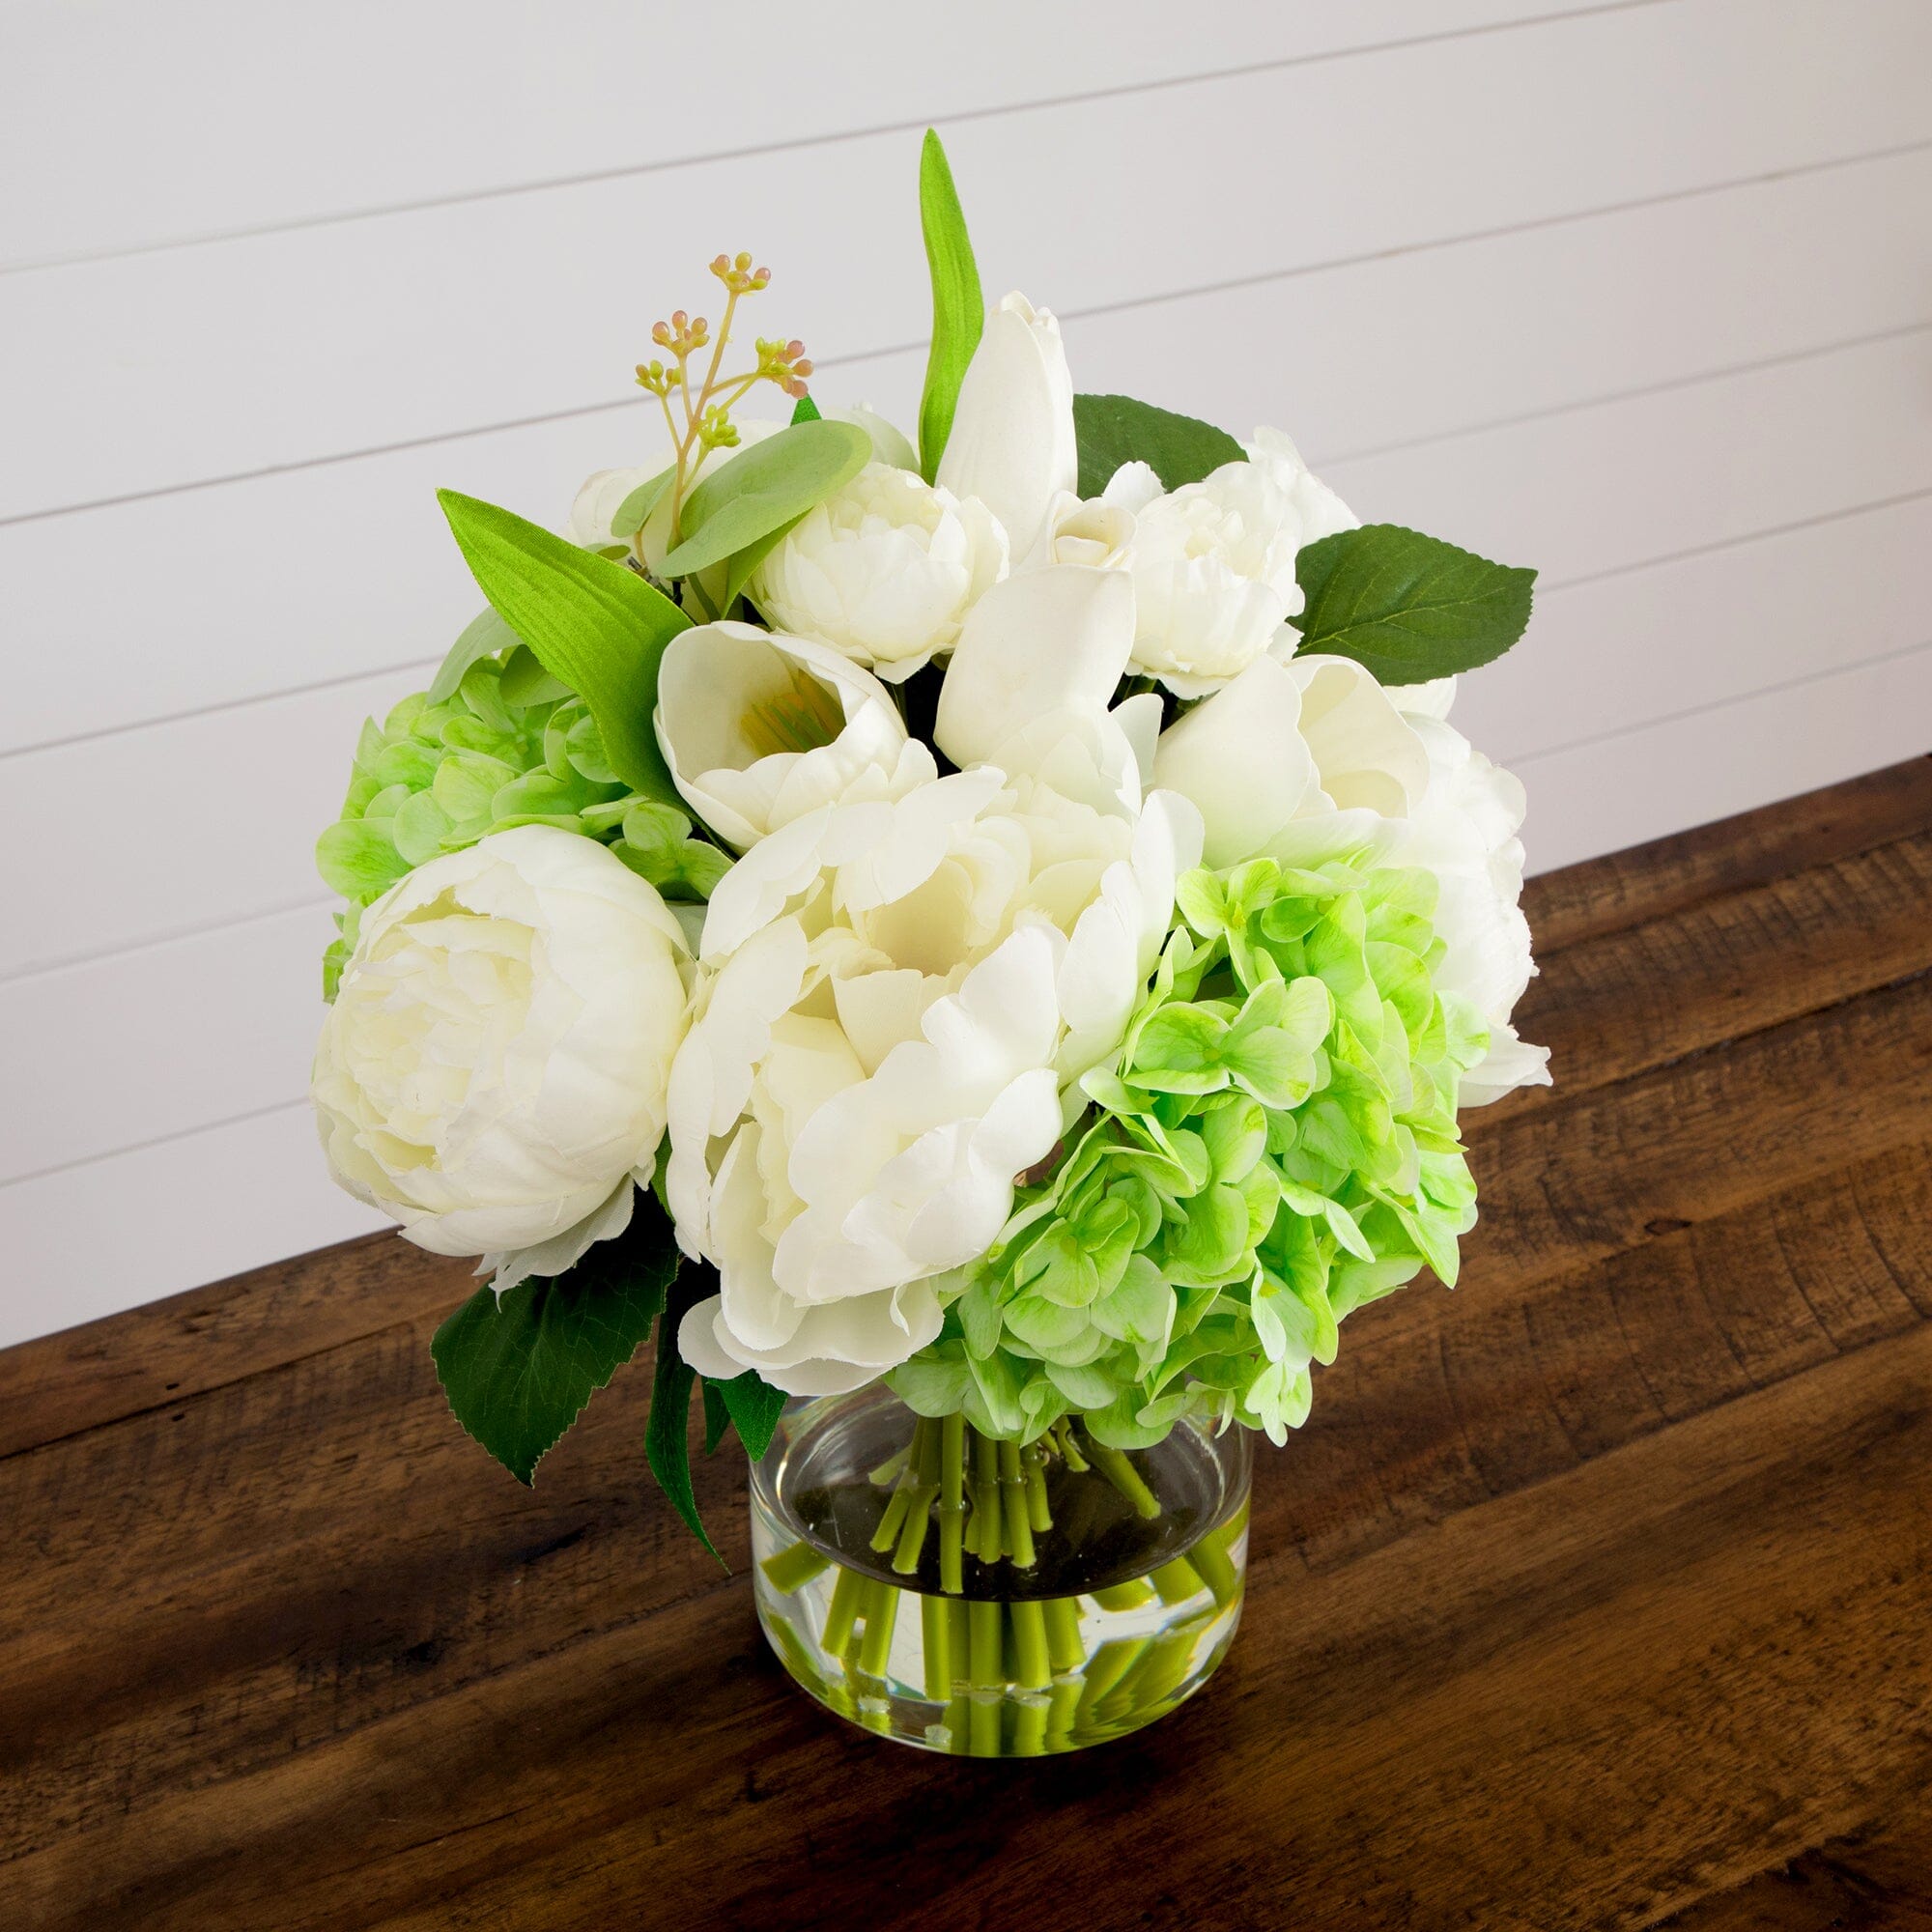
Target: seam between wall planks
[[1124, 305], [963, 117]]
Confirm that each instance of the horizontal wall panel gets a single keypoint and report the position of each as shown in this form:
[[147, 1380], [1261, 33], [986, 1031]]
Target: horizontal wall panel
[[1361, 358], [143, 1044], [192, 1032], [329, 131], [90, 1240], [1622, 650], [1677, 773], [1647, 478], [228, 804], [282, 348]]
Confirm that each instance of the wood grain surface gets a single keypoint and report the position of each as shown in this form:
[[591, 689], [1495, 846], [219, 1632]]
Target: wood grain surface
[[1598, 1593]]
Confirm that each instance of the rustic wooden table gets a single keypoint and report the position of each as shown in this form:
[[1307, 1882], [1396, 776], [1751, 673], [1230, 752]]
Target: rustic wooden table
[[1597, 1593]]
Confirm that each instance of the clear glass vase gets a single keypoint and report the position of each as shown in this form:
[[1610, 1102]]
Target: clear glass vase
[[974, 1596]]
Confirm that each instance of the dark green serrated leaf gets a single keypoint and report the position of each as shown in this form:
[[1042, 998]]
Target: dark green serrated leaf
[[485, 636], [753, 1405], [764, 489], [518, 1372], [668, 1434], [1113, 430], [958, 308], [525, 680], [1408, 606], [717, 1416], [595, 625], [635, 511]]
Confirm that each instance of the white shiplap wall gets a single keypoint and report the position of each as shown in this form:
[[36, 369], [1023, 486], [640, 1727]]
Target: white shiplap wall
[[1640, 293]]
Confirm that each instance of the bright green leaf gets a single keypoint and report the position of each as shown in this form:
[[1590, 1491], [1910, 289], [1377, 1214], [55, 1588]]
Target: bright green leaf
[[596, 625], [806, 410], [525, 682], [667, 1433], [958, 308], [1113, 430], [359, 859], [1408, 606]]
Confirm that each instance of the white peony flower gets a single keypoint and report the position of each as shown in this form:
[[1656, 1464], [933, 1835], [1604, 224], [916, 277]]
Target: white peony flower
[[759, 729], [884, 570], [1298, 761], [1213, 561], [893, 999], [1465, 830], [494, 1069], [1011, 445]]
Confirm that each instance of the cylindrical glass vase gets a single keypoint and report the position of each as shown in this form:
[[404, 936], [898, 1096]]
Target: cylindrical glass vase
[[975, 1597]]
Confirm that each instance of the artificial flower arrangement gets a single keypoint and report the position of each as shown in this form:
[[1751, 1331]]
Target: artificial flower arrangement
[[985, 937]]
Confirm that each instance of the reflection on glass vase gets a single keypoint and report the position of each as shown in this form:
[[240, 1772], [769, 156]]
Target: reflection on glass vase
[[977, 1596]]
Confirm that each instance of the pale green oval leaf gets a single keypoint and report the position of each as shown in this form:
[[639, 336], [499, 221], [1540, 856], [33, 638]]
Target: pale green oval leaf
[[764, 488], [485, 636], [635, 511]]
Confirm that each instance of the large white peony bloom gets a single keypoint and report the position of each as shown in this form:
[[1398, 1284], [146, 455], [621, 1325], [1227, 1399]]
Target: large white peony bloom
[[1213, 562], [495, 1067], [759, 729], [1305, 760], [893, 998], [882, 571]]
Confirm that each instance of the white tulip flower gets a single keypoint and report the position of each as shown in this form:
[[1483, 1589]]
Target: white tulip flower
[[893, 999], [1213, 561], [759, 728], [1011, 445], [884, 570], [495, 1069]]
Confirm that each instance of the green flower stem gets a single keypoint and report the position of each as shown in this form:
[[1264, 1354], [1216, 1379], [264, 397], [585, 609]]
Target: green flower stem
[[1113, 1465], [841, 1611], [889, 1471], [1061, 1708], [957, 1726], [1212, 1560], [1032, 1463], [986, 1498], [1130, 1596], [952, 1503], [936, 1634], [982, 1727], [1153, 1675], [1064, 1647], [985, 1667], [1019, 1523], [923, 1488], [881, 1611], [1033, 1666], [1177, 1581], [900, 1507], [1030, 1727], [959, 1635], [1110, 1663], [789, 1570]]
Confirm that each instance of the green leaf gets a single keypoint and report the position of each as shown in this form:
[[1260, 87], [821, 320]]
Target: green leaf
[[518, 1372], [958, 308], [806, 410], [667, 1433], [764, 489], [635, 511], [359, 859], [594, 624], [1408, 606], [1113, 430], [483, 637], [752, 1404]]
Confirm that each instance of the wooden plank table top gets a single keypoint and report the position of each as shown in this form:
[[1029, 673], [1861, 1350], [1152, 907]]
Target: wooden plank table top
[[1596, 1593]]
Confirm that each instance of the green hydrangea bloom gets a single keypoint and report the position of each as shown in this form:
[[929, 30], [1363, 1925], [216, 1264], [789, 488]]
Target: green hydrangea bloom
[[435, 777], [1275, 1145]]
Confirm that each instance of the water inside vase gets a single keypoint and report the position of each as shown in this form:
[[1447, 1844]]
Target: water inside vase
[[1118, 1616]]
